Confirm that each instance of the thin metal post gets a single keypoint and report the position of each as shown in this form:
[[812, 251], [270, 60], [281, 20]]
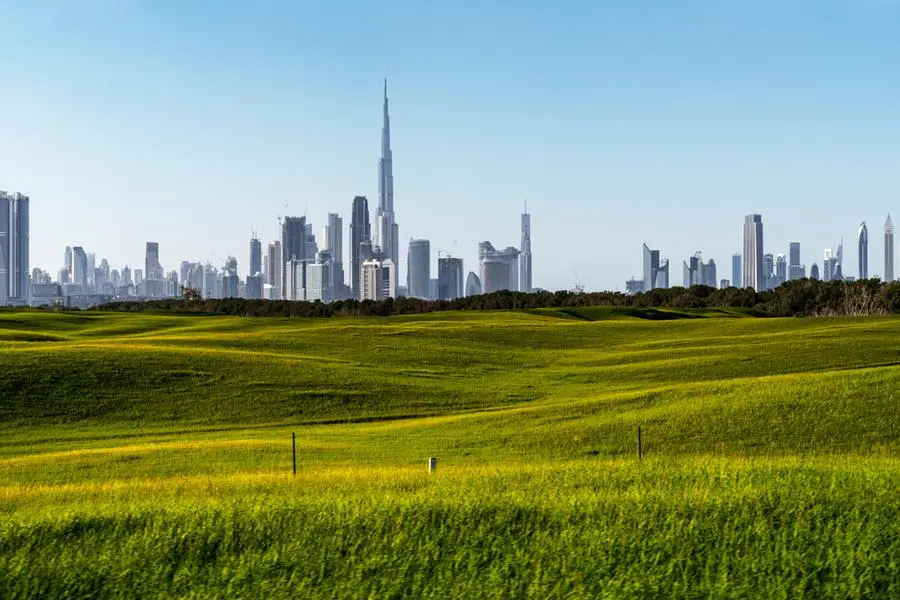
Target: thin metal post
[[294, 451], [640, 445]]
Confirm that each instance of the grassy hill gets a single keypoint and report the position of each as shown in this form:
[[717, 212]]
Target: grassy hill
[[149, 454]]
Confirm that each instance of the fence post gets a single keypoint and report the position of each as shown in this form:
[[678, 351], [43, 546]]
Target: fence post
[[432, 465], [640, 445], [294, 451]]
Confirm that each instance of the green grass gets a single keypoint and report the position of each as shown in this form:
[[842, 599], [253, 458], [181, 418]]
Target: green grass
[[149, 455]]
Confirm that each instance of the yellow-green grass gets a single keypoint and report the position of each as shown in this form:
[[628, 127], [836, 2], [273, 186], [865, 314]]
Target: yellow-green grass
[[150, 455]]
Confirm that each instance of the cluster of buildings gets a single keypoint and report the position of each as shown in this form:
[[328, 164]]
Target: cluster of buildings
[[298, 266], [757, 269]]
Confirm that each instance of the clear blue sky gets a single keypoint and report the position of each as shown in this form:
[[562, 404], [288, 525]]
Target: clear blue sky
[[190, 123]]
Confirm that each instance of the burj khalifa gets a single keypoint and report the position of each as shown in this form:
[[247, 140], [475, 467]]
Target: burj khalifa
[[387, 234]]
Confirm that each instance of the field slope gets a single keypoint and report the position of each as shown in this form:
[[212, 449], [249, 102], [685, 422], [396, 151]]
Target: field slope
[[150, 455]]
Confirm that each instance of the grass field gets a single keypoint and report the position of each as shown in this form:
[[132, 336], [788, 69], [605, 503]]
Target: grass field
[[150, 456]]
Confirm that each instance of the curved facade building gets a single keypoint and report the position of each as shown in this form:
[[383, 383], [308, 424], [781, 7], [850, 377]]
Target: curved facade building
[[473, 284]]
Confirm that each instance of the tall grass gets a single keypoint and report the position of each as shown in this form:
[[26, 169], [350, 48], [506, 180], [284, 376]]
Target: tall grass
[[149, 456]]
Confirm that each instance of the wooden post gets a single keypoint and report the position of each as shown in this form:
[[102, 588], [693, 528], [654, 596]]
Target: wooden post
[[640, 445], [294, 451], [432, 465]]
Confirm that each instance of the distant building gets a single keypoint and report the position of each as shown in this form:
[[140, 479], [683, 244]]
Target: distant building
[[333, 241], [780, 270], [152, 268], [293, 247], [450, 278], [634, 286], [651, 268], [662, 275], [814, 271], [753, 275], [318, 284], [724, 284], [255, 257], [15, 287], [737, 277], [473, 284], [697, 272], [862, 241], [360, 235], [768, 272], [888, 250], [525, 284], [418, 270], [499, 268], [379, 280]]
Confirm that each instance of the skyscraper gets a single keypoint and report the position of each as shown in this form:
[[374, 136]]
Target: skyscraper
[[360, 233], [255, 256], [14, 249], [334, 243], [888, 250], [293, 247], [275, 267], [450, 278], [795, 269], [525, 257], [152, 268], [68, 259], [418, 269], [862, 240], [753, 253], [499, 268], [79, 268], [781, 271], [651, 268], [386, 231], [737, 278]]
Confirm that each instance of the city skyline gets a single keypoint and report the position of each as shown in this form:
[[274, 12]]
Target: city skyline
[[783, 111]]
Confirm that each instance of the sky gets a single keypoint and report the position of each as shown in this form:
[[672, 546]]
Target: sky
[[195, 124]]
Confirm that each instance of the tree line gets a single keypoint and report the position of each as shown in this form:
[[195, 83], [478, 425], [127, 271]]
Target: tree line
[[800, 298]]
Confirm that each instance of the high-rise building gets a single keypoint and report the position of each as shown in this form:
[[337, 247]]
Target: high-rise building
[[651, 268], [255, 256], [126, 276], [831, 266], [795, 269], [360, 234], [753, 253], [737, 277], [450, 278], [662, 275], [312, 246], [293, 247], [152, 268], [418, 269], [473, 284], [525, 284], [768, 272], [780, 270], [68, 259], [274, 268], [230, 279], [378, 280], [15, 287], [386, 229], [888, 250], [862, 241], [80, 268], [814, 271], [333, 241], [499, 268]]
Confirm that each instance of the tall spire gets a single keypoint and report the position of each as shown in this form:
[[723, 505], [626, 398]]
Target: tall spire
[[386, 231]]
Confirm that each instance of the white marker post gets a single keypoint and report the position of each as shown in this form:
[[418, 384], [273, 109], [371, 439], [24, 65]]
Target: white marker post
[[432, 465]]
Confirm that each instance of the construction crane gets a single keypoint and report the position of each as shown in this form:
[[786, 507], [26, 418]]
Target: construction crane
[[578, 287]]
